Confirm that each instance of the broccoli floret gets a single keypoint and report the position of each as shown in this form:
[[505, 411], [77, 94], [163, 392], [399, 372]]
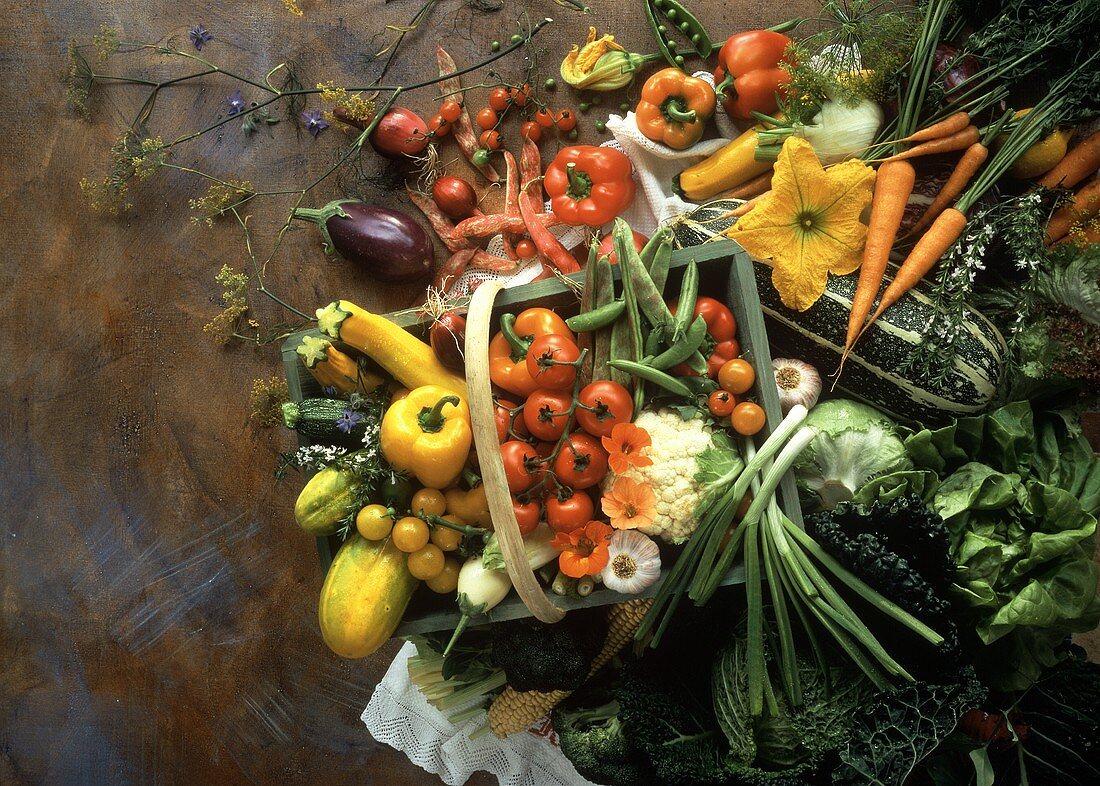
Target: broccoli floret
[[541, 657], [594, 740]]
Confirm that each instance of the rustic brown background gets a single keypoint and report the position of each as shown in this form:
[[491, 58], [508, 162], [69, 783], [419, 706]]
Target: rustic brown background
[[158, 602]]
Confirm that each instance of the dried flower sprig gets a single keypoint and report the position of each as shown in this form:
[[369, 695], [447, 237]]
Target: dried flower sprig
[[266, 400]]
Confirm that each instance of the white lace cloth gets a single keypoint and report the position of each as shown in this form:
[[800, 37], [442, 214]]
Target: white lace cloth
[[399, 716]]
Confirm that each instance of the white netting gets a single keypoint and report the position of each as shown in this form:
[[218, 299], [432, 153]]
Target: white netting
[[399, 716]]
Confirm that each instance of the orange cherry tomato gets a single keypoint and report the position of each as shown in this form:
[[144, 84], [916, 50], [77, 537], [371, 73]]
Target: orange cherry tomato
[[736, 376], [525, 249], [450, 111], [487, 118], [410, 534], [721, 403], [521, 96], [490, 139], [747, 418], [439, 126], [447, 580], [565, 120], [531, 130], [544, 118], [499, 99], [426, 563]]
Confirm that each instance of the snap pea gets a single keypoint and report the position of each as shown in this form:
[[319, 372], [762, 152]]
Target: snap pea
[[656, 376], [653, 342], [649, 250], [630, 266], [658, 270], [680, 20], [689, 290], [605, 293], [596, 318], [684, 347]]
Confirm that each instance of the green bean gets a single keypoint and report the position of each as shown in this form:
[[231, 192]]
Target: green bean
[[605, 293], [683, 347], [656, 376], [658, 270], [630, 265], [596, 318], [689, 291]]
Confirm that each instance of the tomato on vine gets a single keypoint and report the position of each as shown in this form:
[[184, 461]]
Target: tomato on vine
[[565, 120], [490, 139], [525, 249], [450, 111], [565, 515], [544, 118], [721, 403], [530, 130], [520, 96], [582, 462], [548, 360], [487, 118], [439, 126], [517, 456], [527, 515], [609, 403], [545, 413], [499, 99]]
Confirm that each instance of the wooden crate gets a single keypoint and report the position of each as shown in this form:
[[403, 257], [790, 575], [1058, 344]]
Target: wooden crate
[[725, 272]]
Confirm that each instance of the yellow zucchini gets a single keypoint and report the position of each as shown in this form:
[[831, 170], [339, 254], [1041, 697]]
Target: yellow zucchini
[[410, 360], [326, 500], [727, 168], [336, 369], [364, 596]]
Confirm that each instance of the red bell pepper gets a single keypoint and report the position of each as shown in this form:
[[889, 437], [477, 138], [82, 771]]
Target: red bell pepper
[[589, 185], [749, 73], [508, 349]]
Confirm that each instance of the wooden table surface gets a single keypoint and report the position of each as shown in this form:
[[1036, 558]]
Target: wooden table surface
[[159, 604]]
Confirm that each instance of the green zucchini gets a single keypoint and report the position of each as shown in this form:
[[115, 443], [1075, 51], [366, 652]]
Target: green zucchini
[[319, 418], [871, 372]]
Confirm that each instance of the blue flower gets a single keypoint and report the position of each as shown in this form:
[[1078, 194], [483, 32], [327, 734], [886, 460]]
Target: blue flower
[[236, 103], [315, 124], [199, 36], [348, 421], [329, 391]]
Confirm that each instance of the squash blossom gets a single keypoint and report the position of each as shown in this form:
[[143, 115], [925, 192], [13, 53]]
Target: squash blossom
[[601, 64]]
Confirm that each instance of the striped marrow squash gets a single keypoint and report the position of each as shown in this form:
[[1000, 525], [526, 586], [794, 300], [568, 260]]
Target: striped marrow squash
[[871, 372]]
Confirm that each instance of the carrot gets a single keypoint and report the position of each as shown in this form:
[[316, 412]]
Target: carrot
[[1079, 163], [948, 144], [945, 230], [945, 128], [755, 187], [893, 185], [970, 162], [1079, 210]]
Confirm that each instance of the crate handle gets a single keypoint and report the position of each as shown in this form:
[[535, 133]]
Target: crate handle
[[483, 417]]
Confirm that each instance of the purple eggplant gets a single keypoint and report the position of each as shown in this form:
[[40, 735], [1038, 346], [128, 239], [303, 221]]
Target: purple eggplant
[[387, 244]]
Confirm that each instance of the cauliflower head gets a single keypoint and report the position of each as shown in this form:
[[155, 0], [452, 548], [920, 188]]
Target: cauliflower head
[[675, 445]]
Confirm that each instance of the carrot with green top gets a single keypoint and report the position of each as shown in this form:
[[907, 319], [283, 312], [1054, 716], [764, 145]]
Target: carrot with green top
[[964, 171], [952, 124], [947, 144], [1079, 210]]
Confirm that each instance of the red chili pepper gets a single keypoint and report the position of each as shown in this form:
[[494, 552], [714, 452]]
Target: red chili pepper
[[589, 185], [749, 72]]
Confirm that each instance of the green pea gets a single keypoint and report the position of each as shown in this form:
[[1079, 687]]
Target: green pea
[[679, 59], [685, 26], [572, 135], [551, 83], [671, 15], [658, 3], [672, 46], [495, 46], [662, 29], [624, 107], [595, 101], [516, 38], [601, 126], [582, 106], [480, 157], [696, 38]]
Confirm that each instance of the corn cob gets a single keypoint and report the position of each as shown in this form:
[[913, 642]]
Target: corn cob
[[513, 710]]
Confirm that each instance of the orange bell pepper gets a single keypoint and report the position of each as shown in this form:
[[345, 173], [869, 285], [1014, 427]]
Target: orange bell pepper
[[508, 349], [674, 108]]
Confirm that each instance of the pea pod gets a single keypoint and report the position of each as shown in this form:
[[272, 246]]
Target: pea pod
[[597, 318], [700, 386], [654, 341], [605, 293], [683, 347], [630, 266], [688, 24], [658, 270], [689, 290], [656, 376], [588, 304]]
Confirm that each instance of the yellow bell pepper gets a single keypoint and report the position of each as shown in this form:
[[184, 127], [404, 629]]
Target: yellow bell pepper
[[428, 434], [470, 506]]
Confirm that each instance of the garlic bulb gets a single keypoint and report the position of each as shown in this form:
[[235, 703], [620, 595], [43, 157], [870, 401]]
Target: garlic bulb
[[798, 383], [634, 562]]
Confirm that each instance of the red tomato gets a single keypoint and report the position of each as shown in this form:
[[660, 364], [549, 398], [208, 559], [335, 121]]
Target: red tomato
[[486, 118], [557, 375], [544, 413], [607, 245], [525, 249], [527, 515], [530, 130], [450, 111], [490, 139], [400, 132], [517, 456], [582, 462], [454, 196], [721, 403], [565, 120], [610, 403], [544, 118], [498, 99], [503, 415], [438, 126], [521, 96], [565, 515]]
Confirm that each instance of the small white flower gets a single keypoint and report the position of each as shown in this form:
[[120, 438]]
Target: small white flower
[[634, 562]]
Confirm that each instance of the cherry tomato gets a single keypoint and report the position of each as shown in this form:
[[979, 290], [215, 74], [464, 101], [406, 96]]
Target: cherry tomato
[[736, 376], [747, 418], [545, 450], [521, 96], [527, 515], [438, 126], [565, 120], [607, 245], [582, 462], [544, 413], [530, 130], [611, 403], [401, 132], [516, 456], [410, 534], [374, 522], [454, 196], [565, 515], [447, 580], [490, 139], [525, 249], [426, 563], [450, 111], [446, 538], [428, 502], [487, 118], [504, 419], [544, 118], [557, 375], [499, 99], [721, 403]]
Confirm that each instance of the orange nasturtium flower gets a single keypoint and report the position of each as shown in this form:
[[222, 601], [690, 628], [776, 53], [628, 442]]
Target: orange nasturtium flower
[[630, 504], [624, 447], [584, 551], [809, 223]]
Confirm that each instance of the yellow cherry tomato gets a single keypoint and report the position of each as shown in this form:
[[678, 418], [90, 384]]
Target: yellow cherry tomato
[[447, 580], [426, 563], [446, 538], [410, 534], [736, 376], [374, 522], [429, 502]]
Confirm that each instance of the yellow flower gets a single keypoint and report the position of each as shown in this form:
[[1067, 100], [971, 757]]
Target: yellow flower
[[601, 64], [809, 224]]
